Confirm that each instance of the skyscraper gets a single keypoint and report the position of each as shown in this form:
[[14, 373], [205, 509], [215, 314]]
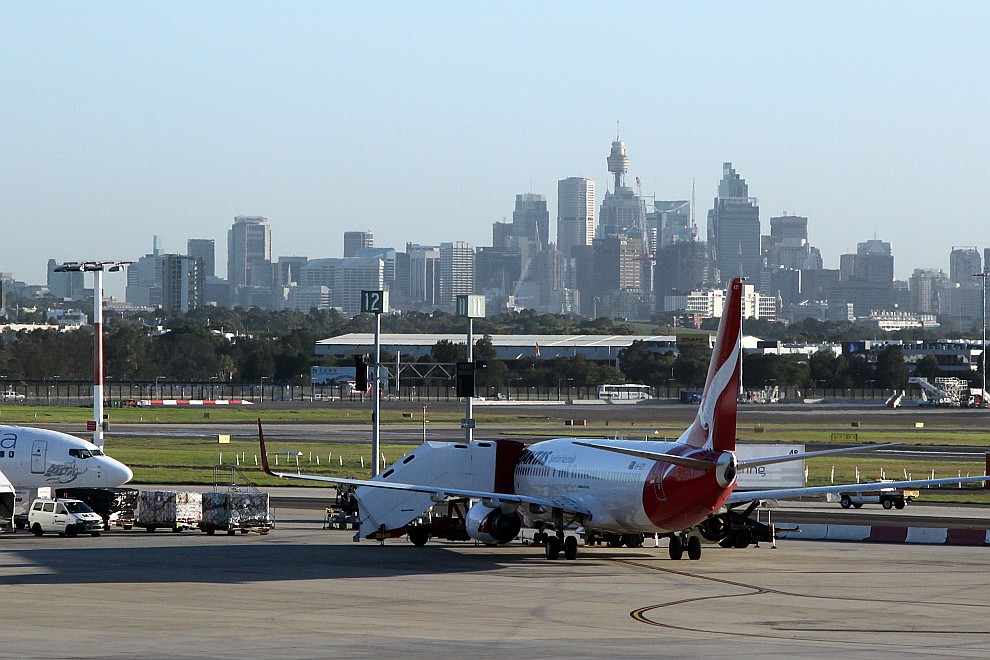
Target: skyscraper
[[530, 218], [964, 263], [575, 213], [734, 229], [182, 283], [205, 250], [424, 274], [355, 240], [456, 272], [249, 246]]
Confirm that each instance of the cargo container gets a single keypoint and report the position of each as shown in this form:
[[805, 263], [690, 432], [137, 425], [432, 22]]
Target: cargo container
[[175, 510], [117, 506], [230, 512]]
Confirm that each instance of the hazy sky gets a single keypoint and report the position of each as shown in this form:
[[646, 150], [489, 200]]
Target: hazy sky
[[422, 121]]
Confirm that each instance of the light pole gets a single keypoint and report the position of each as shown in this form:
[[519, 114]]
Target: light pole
[[983, 354], [263, 379], [95, 267]]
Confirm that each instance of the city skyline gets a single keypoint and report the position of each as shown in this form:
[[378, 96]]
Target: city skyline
[[172, 120]]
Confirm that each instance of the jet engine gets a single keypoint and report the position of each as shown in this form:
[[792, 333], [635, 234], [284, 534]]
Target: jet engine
[[725, 472], [492, 524]]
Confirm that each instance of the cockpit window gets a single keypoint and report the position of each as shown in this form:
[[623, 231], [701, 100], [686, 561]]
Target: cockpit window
[[78, 507], [85, 453]]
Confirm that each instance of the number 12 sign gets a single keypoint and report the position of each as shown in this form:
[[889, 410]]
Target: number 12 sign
[[374, 302]]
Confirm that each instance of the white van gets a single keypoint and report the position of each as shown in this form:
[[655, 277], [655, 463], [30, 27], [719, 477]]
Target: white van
[[66, 517]]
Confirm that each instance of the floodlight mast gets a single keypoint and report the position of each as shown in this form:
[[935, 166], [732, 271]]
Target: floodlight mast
[[95, 267]]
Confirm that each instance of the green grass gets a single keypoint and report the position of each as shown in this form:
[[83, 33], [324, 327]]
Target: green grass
[[191, 461]]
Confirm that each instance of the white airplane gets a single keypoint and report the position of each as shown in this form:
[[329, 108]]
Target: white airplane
[[38, 458], [616, 490]]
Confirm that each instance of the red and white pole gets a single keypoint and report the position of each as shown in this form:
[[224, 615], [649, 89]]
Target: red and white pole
[[98, 357]]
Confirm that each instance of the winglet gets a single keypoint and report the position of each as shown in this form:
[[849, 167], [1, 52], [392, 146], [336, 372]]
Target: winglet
[[264, 454]]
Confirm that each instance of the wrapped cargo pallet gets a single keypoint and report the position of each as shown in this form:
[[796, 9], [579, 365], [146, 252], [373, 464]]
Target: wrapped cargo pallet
[[168, 508], [233, 511]]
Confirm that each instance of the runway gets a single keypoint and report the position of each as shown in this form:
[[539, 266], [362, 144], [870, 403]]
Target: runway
[[303, 592]]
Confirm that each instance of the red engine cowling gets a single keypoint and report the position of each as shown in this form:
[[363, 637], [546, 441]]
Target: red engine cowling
[[492, 525]]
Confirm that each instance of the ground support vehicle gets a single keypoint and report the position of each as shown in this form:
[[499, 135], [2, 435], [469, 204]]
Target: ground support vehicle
[[343, 513], [888, 498], [169, 509], [232, 512], [64, 517]]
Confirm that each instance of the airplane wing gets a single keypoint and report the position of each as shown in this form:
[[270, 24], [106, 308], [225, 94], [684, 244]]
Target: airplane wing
[[783, 458], [738, 497], [437, 493]]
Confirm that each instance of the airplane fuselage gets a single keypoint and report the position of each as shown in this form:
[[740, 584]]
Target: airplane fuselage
[[37, 458], [668, 498]]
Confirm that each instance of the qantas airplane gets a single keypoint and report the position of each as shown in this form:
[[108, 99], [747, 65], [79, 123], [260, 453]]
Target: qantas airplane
[[38, 458], [615, 490]]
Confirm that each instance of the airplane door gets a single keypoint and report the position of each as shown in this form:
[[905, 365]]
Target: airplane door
[[658, 472], [39, 456]]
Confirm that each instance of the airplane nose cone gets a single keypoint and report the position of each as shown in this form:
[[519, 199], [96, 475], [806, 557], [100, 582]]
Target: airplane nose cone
[[119, 474]]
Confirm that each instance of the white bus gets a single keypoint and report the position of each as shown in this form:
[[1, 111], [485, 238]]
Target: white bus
[[624, 392]]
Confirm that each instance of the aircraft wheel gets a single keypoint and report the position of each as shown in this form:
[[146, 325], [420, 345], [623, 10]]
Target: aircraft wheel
[[676, 548], [553, 547], [632, 540], [36, 529], [419, 536], [570, 547], [694, 548], [613, 540], [742, 538]]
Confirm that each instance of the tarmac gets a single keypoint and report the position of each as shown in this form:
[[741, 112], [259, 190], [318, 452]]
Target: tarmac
[[302, 592]]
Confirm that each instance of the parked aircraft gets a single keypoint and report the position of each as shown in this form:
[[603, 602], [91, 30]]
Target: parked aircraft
[[33, 458], [616, 490]]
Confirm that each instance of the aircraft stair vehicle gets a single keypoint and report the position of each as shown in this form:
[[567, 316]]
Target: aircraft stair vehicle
[[615, 490], [894, 401], [944, 392]]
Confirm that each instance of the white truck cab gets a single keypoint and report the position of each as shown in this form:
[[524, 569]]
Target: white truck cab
[[65, 517]]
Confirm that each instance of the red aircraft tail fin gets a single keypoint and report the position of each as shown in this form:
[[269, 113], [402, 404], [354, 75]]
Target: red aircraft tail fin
[[715, 425]]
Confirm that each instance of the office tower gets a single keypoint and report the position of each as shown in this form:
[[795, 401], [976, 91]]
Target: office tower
[[182, 283], [734, 229], [672, 221], [866, 279], [575, 213], [456, 272], [929, 288], [320, 272], [531, 219], [288, 271], [67, 285], [682, 267], [355, 240], [354, 275], [387, 255], [249, 246], [496, 270], [205, 250], [787, 245], [424, 274], [964, 263], [623, 212], [145, 279]]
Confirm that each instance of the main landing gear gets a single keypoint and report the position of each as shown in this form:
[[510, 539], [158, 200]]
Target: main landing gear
[[681, 542], [555, 543]]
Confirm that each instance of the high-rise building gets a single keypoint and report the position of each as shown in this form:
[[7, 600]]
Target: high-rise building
[[681, 267], [288, 271], [387, 255], [205, 250], [531, 219], [320, 272], [182, 283], [787, 245], [964, 264], [456, 272], [249, 247], [929, 288], [734, 229], [354, 275], [866, 279], [356, 240], [65, 285], [424, 274], [575, 213], [145, 279], [672, 220]]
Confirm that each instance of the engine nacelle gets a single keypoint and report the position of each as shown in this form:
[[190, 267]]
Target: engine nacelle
[[492, 525], [725, 472]]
